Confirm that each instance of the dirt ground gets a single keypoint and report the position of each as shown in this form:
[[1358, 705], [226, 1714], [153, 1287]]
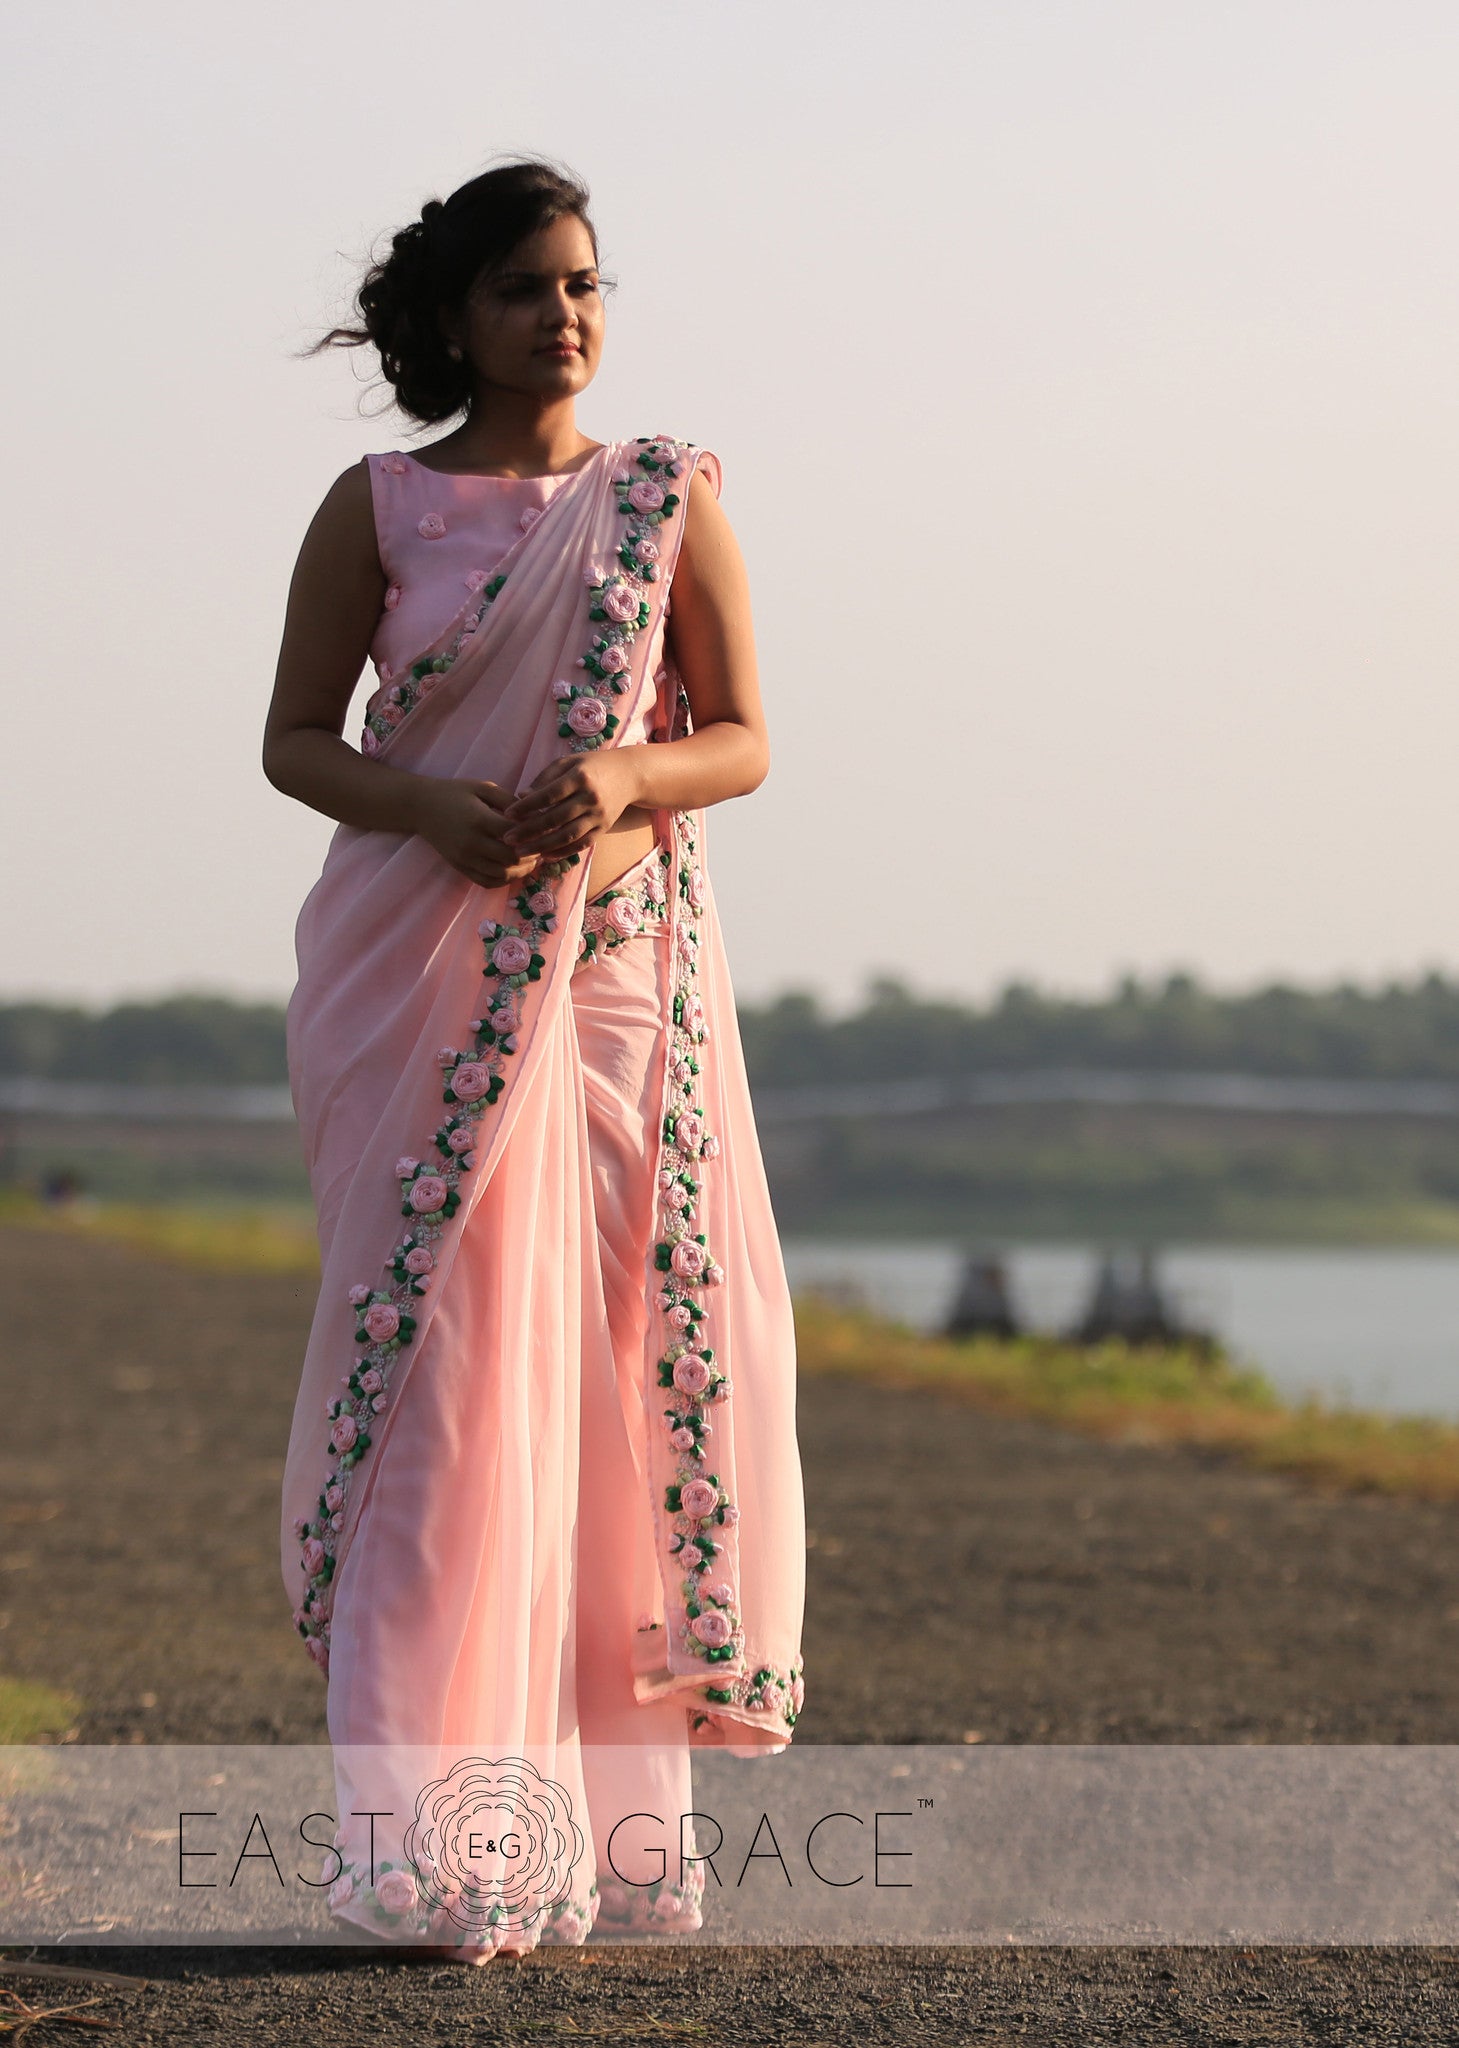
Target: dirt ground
[[1059, 1590]]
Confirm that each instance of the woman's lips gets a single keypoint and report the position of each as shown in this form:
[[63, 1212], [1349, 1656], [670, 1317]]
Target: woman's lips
[[568, 349]]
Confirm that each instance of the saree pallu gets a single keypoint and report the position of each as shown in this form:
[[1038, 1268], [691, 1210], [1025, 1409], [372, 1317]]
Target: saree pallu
[[440, 1093]]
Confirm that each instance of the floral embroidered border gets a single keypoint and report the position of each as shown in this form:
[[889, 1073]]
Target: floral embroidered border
[[621, 914], [397, 1904], [422, 677]]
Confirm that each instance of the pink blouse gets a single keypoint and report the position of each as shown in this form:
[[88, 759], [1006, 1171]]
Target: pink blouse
[[432, 532]]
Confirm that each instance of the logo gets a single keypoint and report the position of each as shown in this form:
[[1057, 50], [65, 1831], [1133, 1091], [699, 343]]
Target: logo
[[493, 1842]]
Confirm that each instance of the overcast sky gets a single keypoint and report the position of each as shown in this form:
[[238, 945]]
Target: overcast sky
[[1083, 374]]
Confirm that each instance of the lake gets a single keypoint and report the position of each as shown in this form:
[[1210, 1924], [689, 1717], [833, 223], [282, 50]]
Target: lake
[[1370, 1327]]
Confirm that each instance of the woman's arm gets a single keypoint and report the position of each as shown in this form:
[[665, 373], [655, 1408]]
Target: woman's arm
[[711, 635], [335, 600]]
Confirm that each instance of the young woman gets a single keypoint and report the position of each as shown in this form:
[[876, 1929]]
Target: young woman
[[543, 1513]]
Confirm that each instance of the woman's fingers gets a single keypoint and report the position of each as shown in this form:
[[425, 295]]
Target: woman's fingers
[[541, 789]]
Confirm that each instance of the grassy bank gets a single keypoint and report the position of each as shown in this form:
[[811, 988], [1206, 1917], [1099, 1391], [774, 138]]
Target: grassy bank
[[1145, 1394], [1173, 1395], [229, 1238]]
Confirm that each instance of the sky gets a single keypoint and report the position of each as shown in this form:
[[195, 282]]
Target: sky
[[1083, 376]]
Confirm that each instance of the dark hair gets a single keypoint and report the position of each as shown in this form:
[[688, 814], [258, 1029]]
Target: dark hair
[[432, 265]]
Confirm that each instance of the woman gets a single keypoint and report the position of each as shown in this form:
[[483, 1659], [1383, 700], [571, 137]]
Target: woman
[[542, 1504]]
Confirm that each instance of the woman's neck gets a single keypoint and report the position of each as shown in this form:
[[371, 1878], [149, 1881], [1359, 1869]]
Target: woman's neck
[[542, 443]]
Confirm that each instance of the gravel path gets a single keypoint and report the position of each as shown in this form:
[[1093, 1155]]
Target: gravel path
[[1060, 1589]]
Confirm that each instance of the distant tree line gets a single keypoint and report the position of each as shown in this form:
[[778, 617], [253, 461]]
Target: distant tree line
[[1408, 1031], [171, 1041], [1172, 1025]]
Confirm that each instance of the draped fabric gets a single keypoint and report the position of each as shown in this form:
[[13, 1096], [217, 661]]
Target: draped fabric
[[542, 1497]]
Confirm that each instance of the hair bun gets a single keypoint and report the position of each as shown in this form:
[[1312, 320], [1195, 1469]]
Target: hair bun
[[431, 212]]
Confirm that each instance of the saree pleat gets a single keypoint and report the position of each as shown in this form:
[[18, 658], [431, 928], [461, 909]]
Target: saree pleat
[[529, 1506]]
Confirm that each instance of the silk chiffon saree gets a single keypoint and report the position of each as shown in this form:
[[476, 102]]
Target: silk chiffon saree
[[440, 1099]]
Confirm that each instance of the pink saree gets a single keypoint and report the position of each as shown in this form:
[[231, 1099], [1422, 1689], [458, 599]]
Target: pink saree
[[481, 1548]]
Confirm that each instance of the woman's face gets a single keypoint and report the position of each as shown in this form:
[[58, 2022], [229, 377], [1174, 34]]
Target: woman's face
[[514, 322]]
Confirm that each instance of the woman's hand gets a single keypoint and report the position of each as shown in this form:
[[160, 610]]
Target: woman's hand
[[466, 824], [571, 803]]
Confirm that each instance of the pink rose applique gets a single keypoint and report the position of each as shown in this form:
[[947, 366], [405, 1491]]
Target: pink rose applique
[[688, 1130], [319, 1651], [687, 1259], [713, 1629], [313, 1555], [530, 517], [461, 1139], [393, 466], [469, 1081], [382, 1320], [681, 1317], [587, 715], [698, 1498], [614, 659], [428, 1194], [624, 916], [369, 741], [691, 1373], [542, 903], [344, 1432], [396, 1892], [620, 603], [474, 578], [419, 1260], [682, 1439], [432, 527], [392, 597], [646, 495], [696, 887], [511, 954], [403, 1165], [360, 1293], [333, 1495]]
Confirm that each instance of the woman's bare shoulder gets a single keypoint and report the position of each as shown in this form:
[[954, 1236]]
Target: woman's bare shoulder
[[707, 546], [343, 526]]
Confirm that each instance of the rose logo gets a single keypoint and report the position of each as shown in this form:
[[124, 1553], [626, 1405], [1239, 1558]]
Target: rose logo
[[494, 1839]]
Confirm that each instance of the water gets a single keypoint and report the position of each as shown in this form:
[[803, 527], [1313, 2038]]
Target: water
[[1372, 1328]]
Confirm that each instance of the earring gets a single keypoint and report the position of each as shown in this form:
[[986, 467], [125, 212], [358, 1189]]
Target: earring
[[454, 353]]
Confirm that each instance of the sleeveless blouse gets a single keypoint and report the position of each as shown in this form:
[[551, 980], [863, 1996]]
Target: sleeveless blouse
[[439, 538]]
